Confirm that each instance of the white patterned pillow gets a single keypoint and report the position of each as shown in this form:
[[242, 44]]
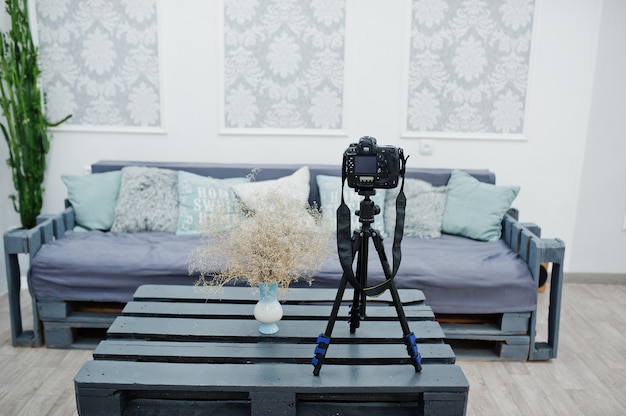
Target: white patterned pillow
[[295, 185], [425, 205], [205, 200], [148, 200]]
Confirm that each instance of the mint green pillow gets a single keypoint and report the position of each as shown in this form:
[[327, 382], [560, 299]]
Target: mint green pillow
[[93, 198], [475, 209], [330, 196], [203, 200]]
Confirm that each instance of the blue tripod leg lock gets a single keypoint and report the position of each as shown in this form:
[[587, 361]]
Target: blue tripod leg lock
[[320, 353], [411, 347]]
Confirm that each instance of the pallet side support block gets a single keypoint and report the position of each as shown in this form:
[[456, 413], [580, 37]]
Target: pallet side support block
[[100, 402]]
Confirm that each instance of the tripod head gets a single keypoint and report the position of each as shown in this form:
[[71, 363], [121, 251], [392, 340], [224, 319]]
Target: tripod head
[[367, 209]]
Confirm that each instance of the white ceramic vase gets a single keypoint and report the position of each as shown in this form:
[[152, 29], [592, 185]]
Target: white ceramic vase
[[268, 310]]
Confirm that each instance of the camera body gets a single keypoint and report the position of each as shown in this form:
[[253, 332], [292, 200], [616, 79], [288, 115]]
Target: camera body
[[368, 166]]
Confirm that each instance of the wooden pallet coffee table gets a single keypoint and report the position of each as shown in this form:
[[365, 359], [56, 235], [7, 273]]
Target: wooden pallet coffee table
[[173, 351]]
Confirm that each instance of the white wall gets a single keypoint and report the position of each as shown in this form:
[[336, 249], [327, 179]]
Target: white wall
[[599, 241], [548, 165]]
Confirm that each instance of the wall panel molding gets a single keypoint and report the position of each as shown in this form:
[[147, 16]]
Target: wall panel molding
[[468, 68], [283, 67], [100, 62]]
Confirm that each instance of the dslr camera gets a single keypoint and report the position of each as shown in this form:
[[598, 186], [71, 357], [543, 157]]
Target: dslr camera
[[369, 166]]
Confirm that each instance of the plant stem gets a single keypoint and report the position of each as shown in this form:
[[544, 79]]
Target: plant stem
[[22, 103]]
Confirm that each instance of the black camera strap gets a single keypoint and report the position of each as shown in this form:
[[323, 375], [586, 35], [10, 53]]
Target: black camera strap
[[344, 240]]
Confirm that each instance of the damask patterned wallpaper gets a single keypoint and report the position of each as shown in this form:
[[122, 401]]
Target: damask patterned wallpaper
[[283, 64], [100, 61], [468, 69]]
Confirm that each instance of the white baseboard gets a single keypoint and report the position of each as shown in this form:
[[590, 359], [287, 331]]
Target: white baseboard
[[598, 278]]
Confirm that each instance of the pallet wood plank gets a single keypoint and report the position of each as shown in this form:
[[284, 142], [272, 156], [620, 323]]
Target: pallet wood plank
[[179, 293], [203, 352], [189, 377], [244, 330], [454, 330], [291, 311]]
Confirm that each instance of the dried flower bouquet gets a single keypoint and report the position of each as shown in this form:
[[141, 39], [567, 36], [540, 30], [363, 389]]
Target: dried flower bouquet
[[281, 243]]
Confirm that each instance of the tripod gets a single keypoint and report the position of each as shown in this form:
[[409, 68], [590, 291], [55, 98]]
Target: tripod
[[360, 247]]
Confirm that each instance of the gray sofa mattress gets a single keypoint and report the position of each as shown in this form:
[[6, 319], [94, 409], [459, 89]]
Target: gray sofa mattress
[[457, 275]]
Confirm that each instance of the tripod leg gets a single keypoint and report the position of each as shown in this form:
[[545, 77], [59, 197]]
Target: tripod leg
[[357, 310], [408, 336], [323, 340], [355, 318]]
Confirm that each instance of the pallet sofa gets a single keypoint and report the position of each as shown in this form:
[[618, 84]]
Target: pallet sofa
[[484, 293]]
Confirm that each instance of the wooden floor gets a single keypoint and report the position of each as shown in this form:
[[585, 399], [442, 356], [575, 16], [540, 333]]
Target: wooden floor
[[587, 378]]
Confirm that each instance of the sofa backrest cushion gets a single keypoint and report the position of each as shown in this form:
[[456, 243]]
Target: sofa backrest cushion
[[435, 176]]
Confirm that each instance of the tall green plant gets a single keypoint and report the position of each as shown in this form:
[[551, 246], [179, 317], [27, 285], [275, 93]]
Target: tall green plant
[[22, 102]]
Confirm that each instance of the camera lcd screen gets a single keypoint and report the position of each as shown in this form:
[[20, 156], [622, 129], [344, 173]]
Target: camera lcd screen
[[365, 164]]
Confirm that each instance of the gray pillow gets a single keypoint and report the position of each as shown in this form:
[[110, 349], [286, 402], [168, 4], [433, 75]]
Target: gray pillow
[[148, 200], [425, 205]]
